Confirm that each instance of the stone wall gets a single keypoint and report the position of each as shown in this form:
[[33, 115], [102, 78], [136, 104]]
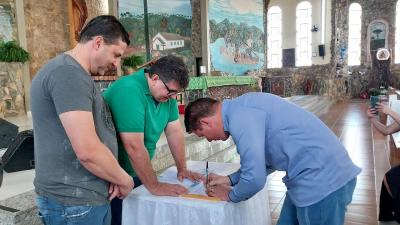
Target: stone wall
[[96, 8], [47, 28], [219, 93], [196, 28], [47, 32], [11, 90]]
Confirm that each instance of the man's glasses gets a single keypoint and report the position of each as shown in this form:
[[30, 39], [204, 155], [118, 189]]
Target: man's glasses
[[170, 91]]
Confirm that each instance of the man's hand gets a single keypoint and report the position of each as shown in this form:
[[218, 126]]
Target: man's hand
[[165, 189], [113, 191], [120, 191], [193, 176], [214, 179], [125, 189], [219, 191]]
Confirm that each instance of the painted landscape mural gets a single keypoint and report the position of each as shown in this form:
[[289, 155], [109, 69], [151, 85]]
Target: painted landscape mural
[[169, 24], [236, 36]]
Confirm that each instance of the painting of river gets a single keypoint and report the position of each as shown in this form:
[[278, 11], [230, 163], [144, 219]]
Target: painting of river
[[236, 36]]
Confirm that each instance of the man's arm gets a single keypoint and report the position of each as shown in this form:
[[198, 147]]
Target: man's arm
[[176, 143], [140, 160], [91, 152]]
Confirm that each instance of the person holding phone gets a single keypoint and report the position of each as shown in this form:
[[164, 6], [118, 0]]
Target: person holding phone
[[389, 203]]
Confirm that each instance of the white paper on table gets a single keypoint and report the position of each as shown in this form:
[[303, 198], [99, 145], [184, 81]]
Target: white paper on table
[[170, 175]]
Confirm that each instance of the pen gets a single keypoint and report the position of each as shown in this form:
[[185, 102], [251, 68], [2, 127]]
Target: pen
[[207, 173]]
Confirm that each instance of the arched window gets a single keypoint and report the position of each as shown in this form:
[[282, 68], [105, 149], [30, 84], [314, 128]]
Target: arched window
[[303, 33], [354, 45], [397, 38], [274, 36]]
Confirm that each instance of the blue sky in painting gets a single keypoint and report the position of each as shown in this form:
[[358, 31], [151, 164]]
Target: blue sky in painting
[[156, 6], [236, 11]]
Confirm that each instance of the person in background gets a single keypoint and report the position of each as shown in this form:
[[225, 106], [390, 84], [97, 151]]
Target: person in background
[[271, 133], [77, 172], [143, 105], [389, 201]]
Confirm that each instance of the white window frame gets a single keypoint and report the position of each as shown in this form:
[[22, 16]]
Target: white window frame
[[397, 35], [274, 37], [354, 41], [303, 34]]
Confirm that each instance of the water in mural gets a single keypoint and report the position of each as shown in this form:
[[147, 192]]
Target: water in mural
[[5, 23], [169, 27], [236, 35]]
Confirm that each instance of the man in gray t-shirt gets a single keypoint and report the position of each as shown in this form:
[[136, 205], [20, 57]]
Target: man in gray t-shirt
[[75, 139]]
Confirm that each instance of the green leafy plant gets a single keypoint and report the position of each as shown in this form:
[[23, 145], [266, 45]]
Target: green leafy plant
[[373, 92], [11, 52], [133, 61]]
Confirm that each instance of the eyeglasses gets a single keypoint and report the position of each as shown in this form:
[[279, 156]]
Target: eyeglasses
[[171, 92]]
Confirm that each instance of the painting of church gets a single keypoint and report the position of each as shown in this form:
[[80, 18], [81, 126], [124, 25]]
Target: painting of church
[[164, 41]]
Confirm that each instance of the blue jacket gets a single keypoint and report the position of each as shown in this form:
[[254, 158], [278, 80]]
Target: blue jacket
[[272, 133]]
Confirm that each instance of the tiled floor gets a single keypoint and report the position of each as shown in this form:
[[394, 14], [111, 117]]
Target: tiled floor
[[349, 122]]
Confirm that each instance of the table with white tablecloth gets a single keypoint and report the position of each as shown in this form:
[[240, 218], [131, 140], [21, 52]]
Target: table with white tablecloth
[[143, 208]]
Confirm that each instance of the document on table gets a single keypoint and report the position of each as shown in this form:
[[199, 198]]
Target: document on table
[[170, 176]]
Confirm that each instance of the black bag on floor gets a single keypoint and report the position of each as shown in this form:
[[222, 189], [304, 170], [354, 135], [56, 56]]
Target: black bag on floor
[[20, 154], [8, 132]]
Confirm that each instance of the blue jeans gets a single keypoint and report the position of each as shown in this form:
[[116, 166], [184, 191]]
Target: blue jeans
[[52, 212], [329, 211]]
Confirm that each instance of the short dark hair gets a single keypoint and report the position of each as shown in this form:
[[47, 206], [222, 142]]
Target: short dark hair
[[171, 68], [106, 26], [198, 109]]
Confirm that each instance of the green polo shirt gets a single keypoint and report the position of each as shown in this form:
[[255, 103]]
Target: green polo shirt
[[134, 110]]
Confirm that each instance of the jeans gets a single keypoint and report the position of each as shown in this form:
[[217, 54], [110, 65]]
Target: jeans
[[329, 211], [52, 212], [116, 206]]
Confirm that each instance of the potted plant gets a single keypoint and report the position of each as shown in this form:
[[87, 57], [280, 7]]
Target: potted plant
[[11, 52], [131, 63]]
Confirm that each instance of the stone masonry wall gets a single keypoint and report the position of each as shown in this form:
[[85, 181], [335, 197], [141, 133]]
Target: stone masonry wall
[[47, 28], [47, 32], [11, 90]]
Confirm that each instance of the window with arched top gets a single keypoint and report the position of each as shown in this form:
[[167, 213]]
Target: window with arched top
[[274, 37], [303, 33], [397, 37], [354, 44]]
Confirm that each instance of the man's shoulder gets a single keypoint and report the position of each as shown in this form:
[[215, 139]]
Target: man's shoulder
[[61, 65]]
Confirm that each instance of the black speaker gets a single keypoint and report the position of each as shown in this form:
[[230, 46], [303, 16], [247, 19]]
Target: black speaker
[[8, 132], [20, 153], [321, 50]]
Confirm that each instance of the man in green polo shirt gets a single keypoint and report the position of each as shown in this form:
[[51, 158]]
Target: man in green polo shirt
[[143, 105]]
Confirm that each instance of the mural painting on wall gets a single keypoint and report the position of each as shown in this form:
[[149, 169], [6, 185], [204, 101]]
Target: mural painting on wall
[[169, 25], [6, 29], [236, 35], [378, 35]]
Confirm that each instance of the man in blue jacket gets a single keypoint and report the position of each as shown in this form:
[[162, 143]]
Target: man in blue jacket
[[272, 133]]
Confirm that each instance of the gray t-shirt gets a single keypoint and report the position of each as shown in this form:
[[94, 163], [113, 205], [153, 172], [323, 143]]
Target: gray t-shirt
[[62, 85]]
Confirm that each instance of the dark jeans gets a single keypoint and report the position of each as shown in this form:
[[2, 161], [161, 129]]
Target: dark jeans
[[116, 206]]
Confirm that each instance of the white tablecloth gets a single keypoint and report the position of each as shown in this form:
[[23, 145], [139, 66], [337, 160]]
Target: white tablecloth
[[143, 208]]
